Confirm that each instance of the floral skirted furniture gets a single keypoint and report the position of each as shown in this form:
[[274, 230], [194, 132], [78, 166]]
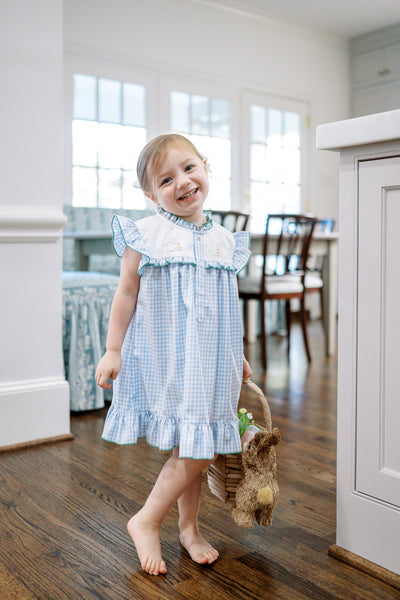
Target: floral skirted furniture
[[87, 298]]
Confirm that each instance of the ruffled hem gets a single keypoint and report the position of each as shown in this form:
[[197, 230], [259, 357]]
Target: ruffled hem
[[210, 264], [197, 441], [242, 254]]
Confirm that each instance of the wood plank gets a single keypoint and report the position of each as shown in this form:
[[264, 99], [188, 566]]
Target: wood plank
[[64, 509]]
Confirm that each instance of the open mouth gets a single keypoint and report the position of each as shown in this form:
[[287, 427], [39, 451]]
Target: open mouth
[[189, 194]]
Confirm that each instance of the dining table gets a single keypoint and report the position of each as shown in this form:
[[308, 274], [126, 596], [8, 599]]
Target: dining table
[[87, 243]]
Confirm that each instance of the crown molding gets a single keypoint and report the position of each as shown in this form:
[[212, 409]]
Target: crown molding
[[239, 8]]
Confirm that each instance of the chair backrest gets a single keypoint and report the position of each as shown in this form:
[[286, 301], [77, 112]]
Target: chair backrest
[[286, 244], [324, 225], [232, 220]]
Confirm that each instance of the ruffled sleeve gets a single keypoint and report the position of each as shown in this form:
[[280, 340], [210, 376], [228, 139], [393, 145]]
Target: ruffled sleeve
[[126, 233], [241, 254]]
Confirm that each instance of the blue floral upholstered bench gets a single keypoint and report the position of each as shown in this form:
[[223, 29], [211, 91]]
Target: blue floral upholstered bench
[[87, 298]]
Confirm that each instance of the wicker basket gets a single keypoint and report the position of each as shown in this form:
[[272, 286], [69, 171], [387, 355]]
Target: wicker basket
[[226, 471]]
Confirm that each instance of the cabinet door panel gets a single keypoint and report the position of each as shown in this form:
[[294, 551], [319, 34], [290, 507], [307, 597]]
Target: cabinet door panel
[[367, 101], [366, 67], [393, 60], [378, 327], [391, 93]]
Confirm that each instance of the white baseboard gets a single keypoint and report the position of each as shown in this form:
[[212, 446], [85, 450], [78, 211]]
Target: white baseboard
[[33, 410]]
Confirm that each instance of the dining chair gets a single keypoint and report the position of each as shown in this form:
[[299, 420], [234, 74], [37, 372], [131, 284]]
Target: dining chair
[[231, 219], [314, 282], [286, 244]]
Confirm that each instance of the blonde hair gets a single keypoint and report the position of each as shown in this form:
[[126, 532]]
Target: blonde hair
[[155, 151]]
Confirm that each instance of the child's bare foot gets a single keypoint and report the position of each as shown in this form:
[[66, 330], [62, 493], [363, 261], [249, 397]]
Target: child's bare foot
[[146, 537], [200, 551]]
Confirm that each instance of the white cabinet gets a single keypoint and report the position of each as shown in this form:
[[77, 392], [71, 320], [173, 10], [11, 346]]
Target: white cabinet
[[378, 330], [375, 72], [368, 457], [376, 66], [367, 100]]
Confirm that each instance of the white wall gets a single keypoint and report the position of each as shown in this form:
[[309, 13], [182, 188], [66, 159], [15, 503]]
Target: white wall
[[197, 39], [34, 398]]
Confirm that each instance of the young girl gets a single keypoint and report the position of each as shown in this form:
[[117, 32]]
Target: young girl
[[174, 344]]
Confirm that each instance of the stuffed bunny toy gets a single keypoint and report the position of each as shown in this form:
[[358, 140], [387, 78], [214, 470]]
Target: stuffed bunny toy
[[258, 491]]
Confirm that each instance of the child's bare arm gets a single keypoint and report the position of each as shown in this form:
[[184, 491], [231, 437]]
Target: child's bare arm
[[247, 372], [121, 313]]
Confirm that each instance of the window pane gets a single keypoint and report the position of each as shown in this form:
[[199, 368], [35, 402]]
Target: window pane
[[109, 101], [110, 145], [201, 115], [134, 105], [291, 136], [257, 163], [218, 154], [206, 122], [275, 160], [258, 124], [110, 188], [291, 198], [108, 149], [275, 165], [259, 210], [219, 197], [291, 161], [220, 118], [84, 186], [132, 141], [85, 101], [274, 126], [180, 112], [84, 143], [132, 197], [275, 199]]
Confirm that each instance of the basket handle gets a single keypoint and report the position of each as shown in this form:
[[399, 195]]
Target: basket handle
[[264, 402]]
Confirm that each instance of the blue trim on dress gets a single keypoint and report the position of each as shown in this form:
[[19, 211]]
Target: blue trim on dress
[[207, 226]]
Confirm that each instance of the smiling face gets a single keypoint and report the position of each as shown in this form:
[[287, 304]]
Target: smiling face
[[180, 184]]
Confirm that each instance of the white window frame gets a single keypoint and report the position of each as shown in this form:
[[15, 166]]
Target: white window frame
[[212, 90], [159, 86], [253, 98], [121, 73]]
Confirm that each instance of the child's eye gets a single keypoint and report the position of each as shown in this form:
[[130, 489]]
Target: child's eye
[[165, 181], [189, 167]]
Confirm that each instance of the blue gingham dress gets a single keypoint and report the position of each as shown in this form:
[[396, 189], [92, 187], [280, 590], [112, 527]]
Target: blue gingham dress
[[182, 357]]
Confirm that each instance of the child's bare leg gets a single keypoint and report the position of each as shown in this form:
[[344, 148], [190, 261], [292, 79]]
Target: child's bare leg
[[188, 504], [144, 527]]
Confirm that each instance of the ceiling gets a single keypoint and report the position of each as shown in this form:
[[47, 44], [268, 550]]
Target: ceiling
[[345, 18]]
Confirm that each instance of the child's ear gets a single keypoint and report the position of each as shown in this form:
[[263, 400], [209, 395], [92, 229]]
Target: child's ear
[[205, 165], [152, 197]]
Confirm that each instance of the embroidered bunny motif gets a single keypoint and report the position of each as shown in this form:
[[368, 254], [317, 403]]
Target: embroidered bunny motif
[[174, 245]]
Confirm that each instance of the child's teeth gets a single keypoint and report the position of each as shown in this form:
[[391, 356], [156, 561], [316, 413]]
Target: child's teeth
[[188, 195]]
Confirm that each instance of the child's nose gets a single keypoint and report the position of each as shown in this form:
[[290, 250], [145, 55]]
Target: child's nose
[[182, 180]]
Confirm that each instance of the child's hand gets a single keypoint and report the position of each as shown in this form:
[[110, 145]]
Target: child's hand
[[108, 367], [247, 372]]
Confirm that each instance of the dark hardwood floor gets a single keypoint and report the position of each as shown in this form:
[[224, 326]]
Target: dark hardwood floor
[[64, 509]]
